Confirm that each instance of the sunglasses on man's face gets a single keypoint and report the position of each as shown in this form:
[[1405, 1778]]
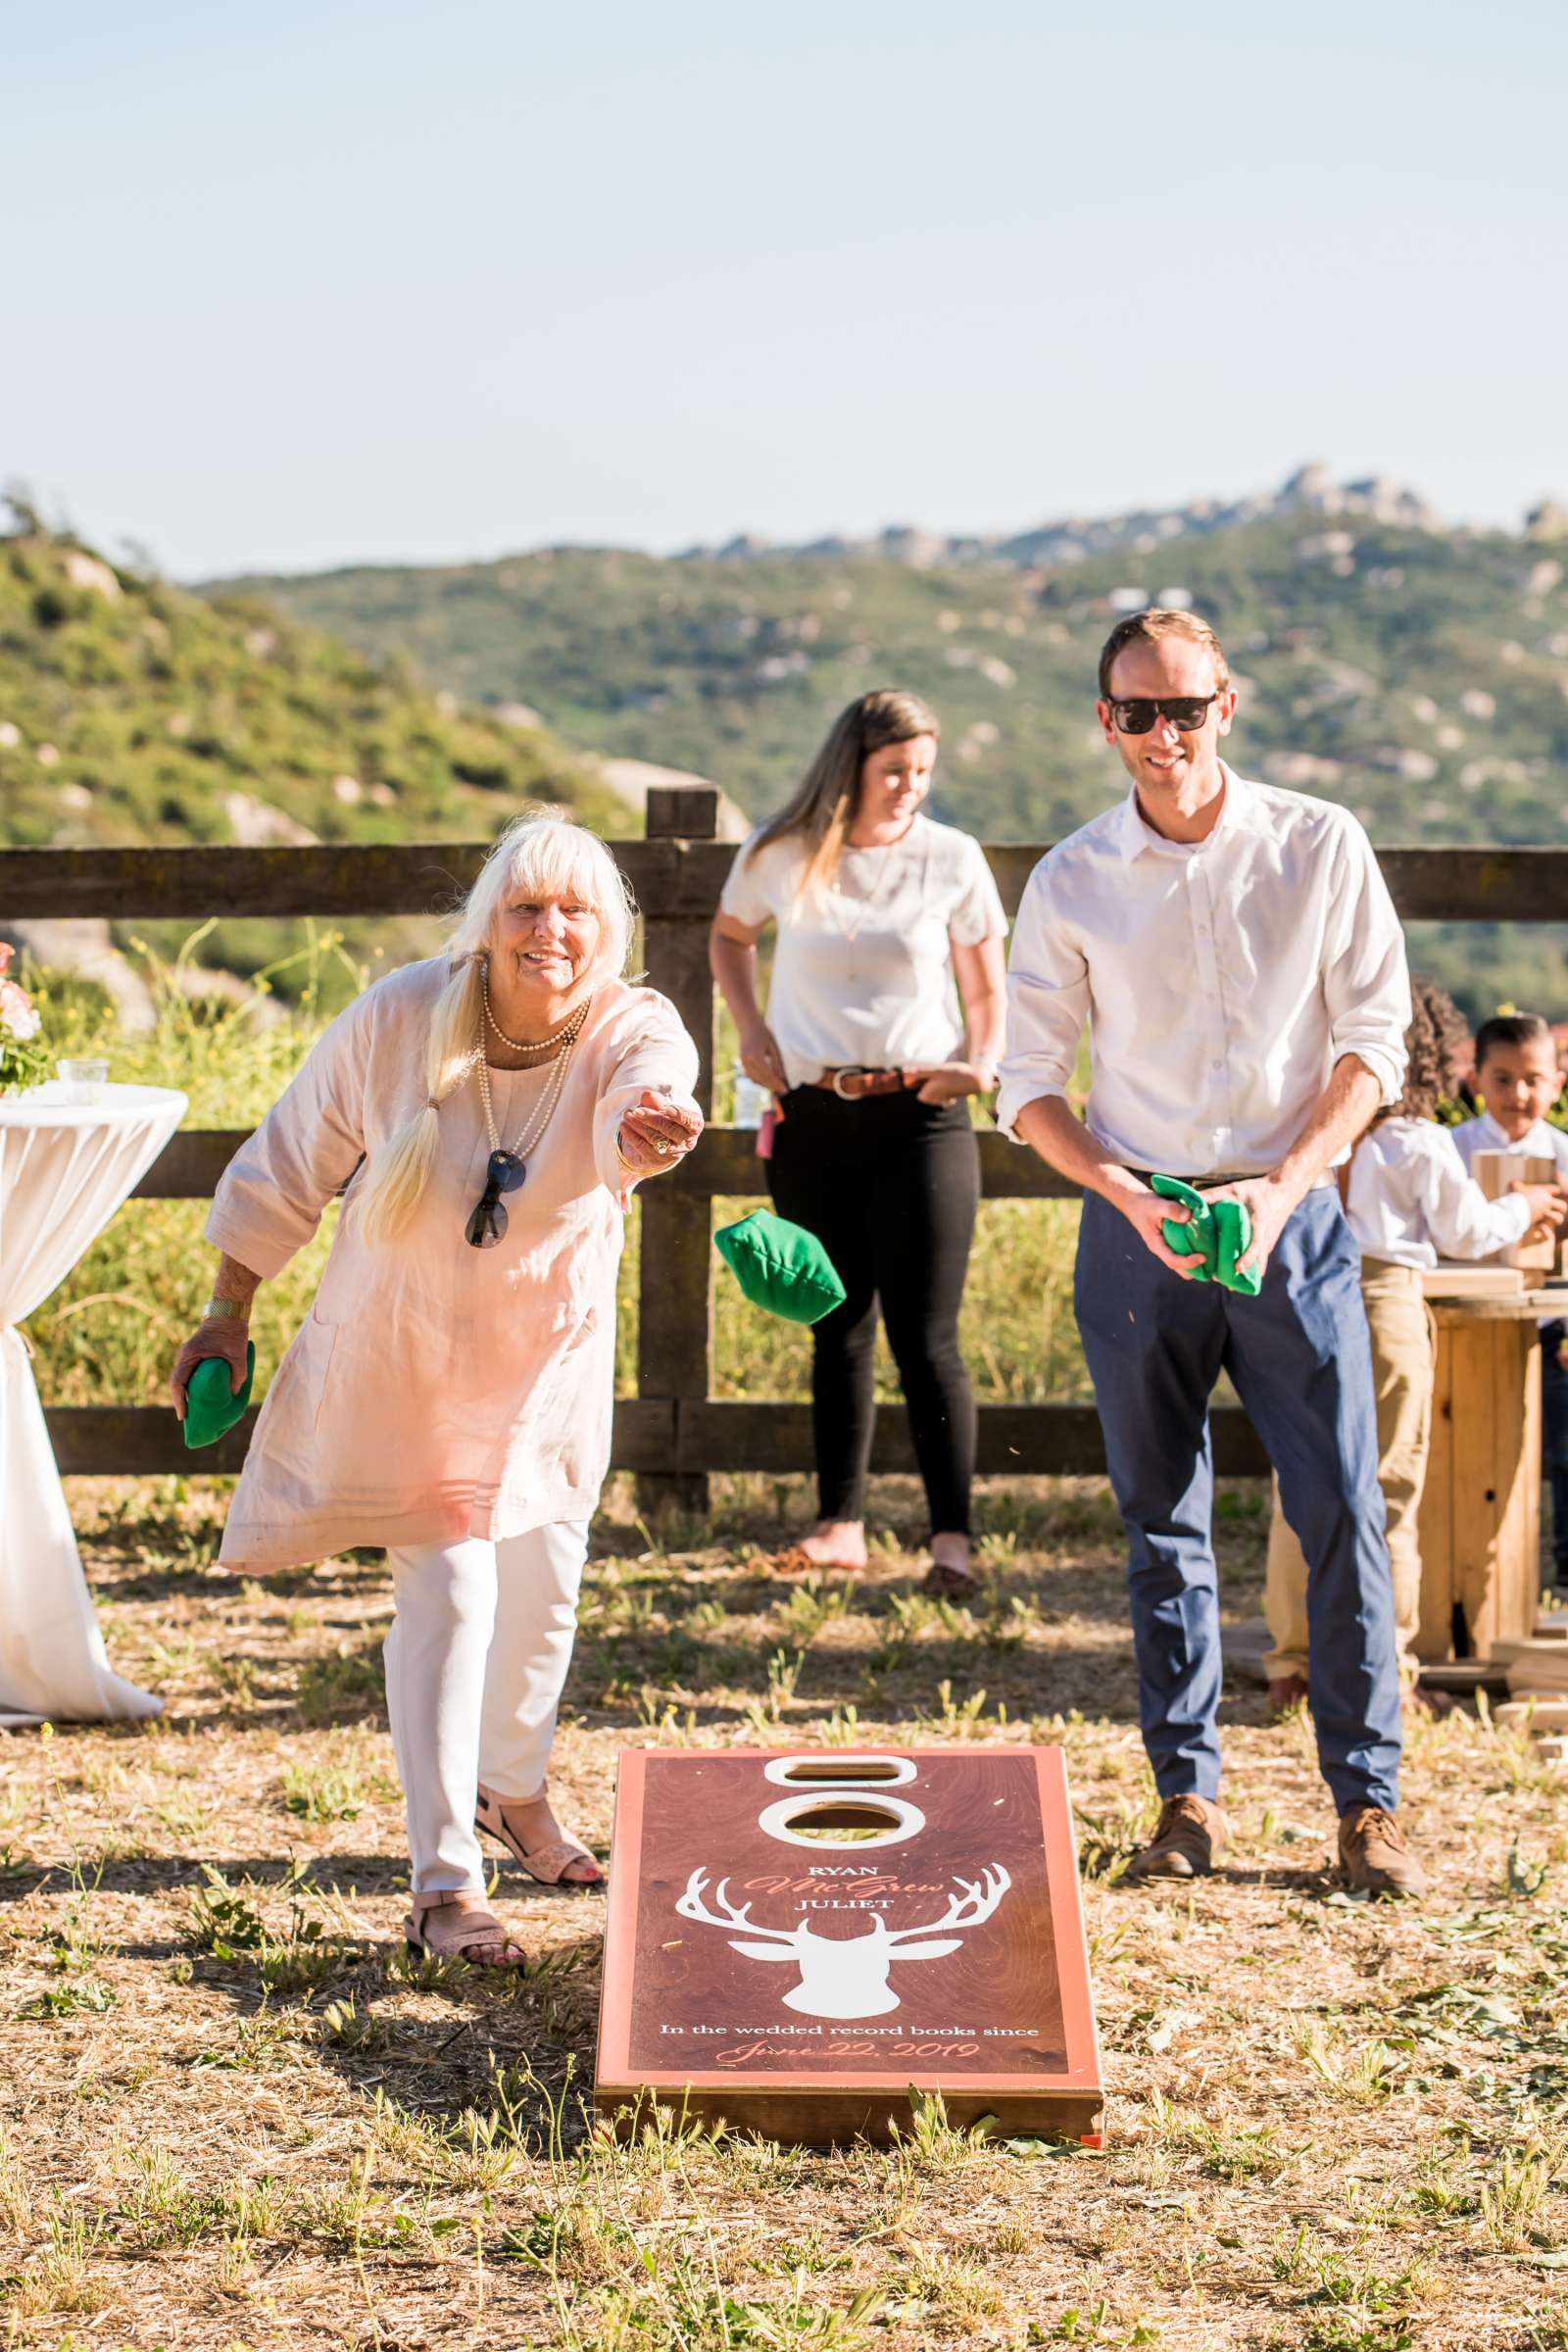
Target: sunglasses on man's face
[[503, 1172], [1135, 714]]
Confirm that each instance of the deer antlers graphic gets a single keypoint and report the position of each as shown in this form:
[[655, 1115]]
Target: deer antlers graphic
[[846, 1976]]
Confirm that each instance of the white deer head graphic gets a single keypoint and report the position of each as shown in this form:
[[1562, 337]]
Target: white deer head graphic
[[846, 1976]]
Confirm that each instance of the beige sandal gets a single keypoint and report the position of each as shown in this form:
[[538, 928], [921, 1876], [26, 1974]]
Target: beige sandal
[[548, 1863], [474, 1934], [796, 1560]]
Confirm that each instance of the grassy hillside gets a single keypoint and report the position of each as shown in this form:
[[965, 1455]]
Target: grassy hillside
[[1419, 676], [132, 711]]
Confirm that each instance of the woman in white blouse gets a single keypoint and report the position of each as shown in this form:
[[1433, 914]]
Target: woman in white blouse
[[879, 911]]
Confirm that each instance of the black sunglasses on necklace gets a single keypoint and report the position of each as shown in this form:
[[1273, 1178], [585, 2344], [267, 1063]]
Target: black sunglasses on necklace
[[1135, 714], [487, 1225]]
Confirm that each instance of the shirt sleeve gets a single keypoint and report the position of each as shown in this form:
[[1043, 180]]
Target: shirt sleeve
[[654, 1049], [751, 887], [1366, 981], [1048, 1004], [977, 914], [270, 1199], [1461, 1220]]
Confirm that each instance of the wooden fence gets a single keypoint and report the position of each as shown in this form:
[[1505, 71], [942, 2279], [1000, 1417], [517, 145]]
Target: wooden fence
[[674, 1431]]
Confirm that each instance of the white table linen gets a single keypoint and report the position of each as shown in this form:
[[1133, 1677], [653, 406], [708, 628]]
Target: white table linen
[[65, 1168]]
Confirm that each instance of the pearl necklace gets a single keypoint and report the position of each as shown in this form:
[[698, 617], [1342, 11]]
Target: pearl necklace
[[520, 1044], [532, 1136]]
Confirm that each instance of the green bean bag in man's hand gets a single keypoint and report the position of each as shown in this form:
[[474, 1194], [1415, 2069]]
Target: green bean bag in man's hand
[[1220, 1232]]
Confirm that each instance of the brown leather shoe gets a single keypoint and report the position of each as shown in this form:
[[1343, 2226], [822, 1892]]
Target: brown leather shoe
[[1287, 1690], [1189, 1838], [1376, 1856]]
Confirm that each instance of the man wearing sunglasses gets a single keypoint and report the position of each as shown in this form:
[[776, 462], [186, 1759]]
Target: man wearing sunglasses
[[1236, 956]]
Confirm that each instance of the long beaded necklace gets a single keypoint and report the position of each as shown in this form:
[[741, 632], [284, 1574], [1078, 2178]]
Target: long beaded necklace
[[532, 1134], [538, 1045]]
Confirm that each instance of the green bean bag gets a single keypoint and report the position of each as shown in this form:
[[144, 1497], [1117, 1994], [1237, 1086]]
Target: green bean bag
[[1220, 1232], [780, 1266], [212, 1408]]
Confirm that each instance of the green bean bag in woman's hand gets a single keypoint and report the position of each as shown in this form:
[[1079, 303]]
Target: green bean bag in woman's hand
[[212, 1408], [780, 1266], [1220, 1232]]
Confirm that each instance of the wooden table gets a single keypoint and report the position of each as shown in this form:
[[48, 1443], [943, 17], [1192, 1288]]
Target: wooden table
[[1480, 1523]]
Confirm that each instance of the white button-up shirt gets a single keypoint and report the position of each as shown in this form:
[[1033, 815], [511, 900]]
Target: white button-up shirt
[[1222, 979], [1539, 1142], [1411, 1199]]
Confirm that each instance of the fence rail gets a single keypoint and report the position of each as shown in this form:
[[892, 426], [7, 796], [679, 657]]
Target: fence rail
[[674, 1432], [673, 878]]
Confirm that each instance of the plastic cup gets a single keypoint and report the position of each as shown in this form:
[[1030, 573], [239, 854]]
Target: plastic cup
[[84, 1078]]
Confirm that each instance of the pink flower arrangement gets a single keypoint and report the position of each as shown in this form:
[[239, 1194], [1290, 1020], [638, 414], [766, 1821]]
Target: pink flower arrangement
[[23, 1058]]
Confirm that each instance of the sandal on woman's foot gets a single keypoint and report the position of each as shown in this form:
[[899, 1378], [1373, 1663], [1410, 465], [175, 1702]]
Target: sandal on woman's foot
[[796, 1560], [548, 1863], [943, 1582], [472, 1932]]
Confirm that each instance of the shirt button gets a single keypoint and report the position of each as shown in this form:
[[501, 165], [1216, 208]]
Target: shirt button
[[1216, 1065]]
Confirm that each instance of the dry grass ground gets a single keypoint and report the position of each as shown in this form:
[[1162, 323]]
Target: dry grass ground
[[235, 2117]]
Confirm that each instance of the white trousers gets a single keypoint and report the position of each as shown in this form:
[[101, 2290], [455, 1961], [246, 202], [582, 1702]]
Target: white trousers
[[477, 1657]]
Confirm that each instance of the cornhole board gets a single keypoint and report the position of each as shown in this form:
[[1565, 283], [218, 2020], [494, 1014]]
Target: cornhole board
[[797, 1938]]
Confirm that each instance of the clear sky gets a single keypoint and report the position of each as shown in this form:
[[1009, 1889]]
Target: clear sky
[[292, 286]]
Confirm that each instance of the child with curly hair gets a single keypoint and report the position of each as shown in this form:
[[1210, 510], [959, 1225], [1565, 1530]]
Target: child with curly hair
[[1410, 1200]]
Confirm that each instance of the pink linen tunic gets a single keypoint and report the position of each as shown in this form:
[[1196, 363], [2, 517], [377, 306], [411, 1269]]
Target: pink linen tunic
[[435, 1390]]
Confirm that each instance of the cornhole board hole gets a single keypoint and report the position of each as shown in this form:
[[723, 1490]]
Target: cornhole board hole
[[797, 1938]]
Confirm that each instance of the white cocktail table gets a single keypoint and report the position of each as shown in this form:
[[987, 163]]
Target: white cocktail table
[[65, 1168]]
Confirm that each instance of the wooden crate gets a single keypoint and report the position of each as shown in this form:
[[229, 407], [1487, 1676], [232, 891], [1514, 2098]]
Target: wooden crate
[[767, 1964]]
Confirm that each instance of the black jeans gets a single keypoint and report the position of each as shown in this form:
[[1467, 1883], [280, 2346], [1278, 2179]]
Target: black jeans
[[890, 1187]]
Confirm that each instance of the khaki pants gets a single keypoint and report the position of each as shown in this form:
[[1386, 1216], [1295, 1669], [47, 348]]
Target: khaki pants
[[1404, 1372]]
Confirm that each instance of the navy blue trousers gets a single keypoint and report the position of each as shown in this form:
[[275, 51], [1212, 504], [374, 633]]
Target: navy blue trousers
[[1301, 1364]]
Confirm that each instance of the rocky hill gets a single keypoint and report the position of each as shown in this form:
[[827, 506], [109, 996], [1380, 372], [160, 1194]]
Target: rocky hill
[[1416, 672]]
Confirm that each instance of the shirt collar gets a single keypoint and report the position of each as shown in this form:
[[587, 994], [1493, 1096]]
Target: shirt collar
[[1490, 1129], [1240, 812]]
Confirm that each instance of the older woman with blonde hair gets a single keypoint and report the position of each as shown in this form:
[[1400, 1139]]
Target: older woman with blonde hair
[[485, 1116]]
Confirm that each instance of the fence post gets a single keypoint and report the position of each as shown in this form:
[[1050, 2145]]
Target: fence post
[[675, 1287]]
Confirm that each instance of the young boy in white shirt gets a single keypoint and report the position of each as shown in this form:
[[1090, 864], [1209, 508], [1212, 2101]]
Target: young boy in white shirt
[[1518, 1079], [1410, 1200]]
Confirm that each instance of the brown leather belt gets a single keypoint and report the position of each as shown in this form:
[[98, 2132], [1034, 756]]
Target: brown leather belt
[[1204, 1184], [853, 1082]]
